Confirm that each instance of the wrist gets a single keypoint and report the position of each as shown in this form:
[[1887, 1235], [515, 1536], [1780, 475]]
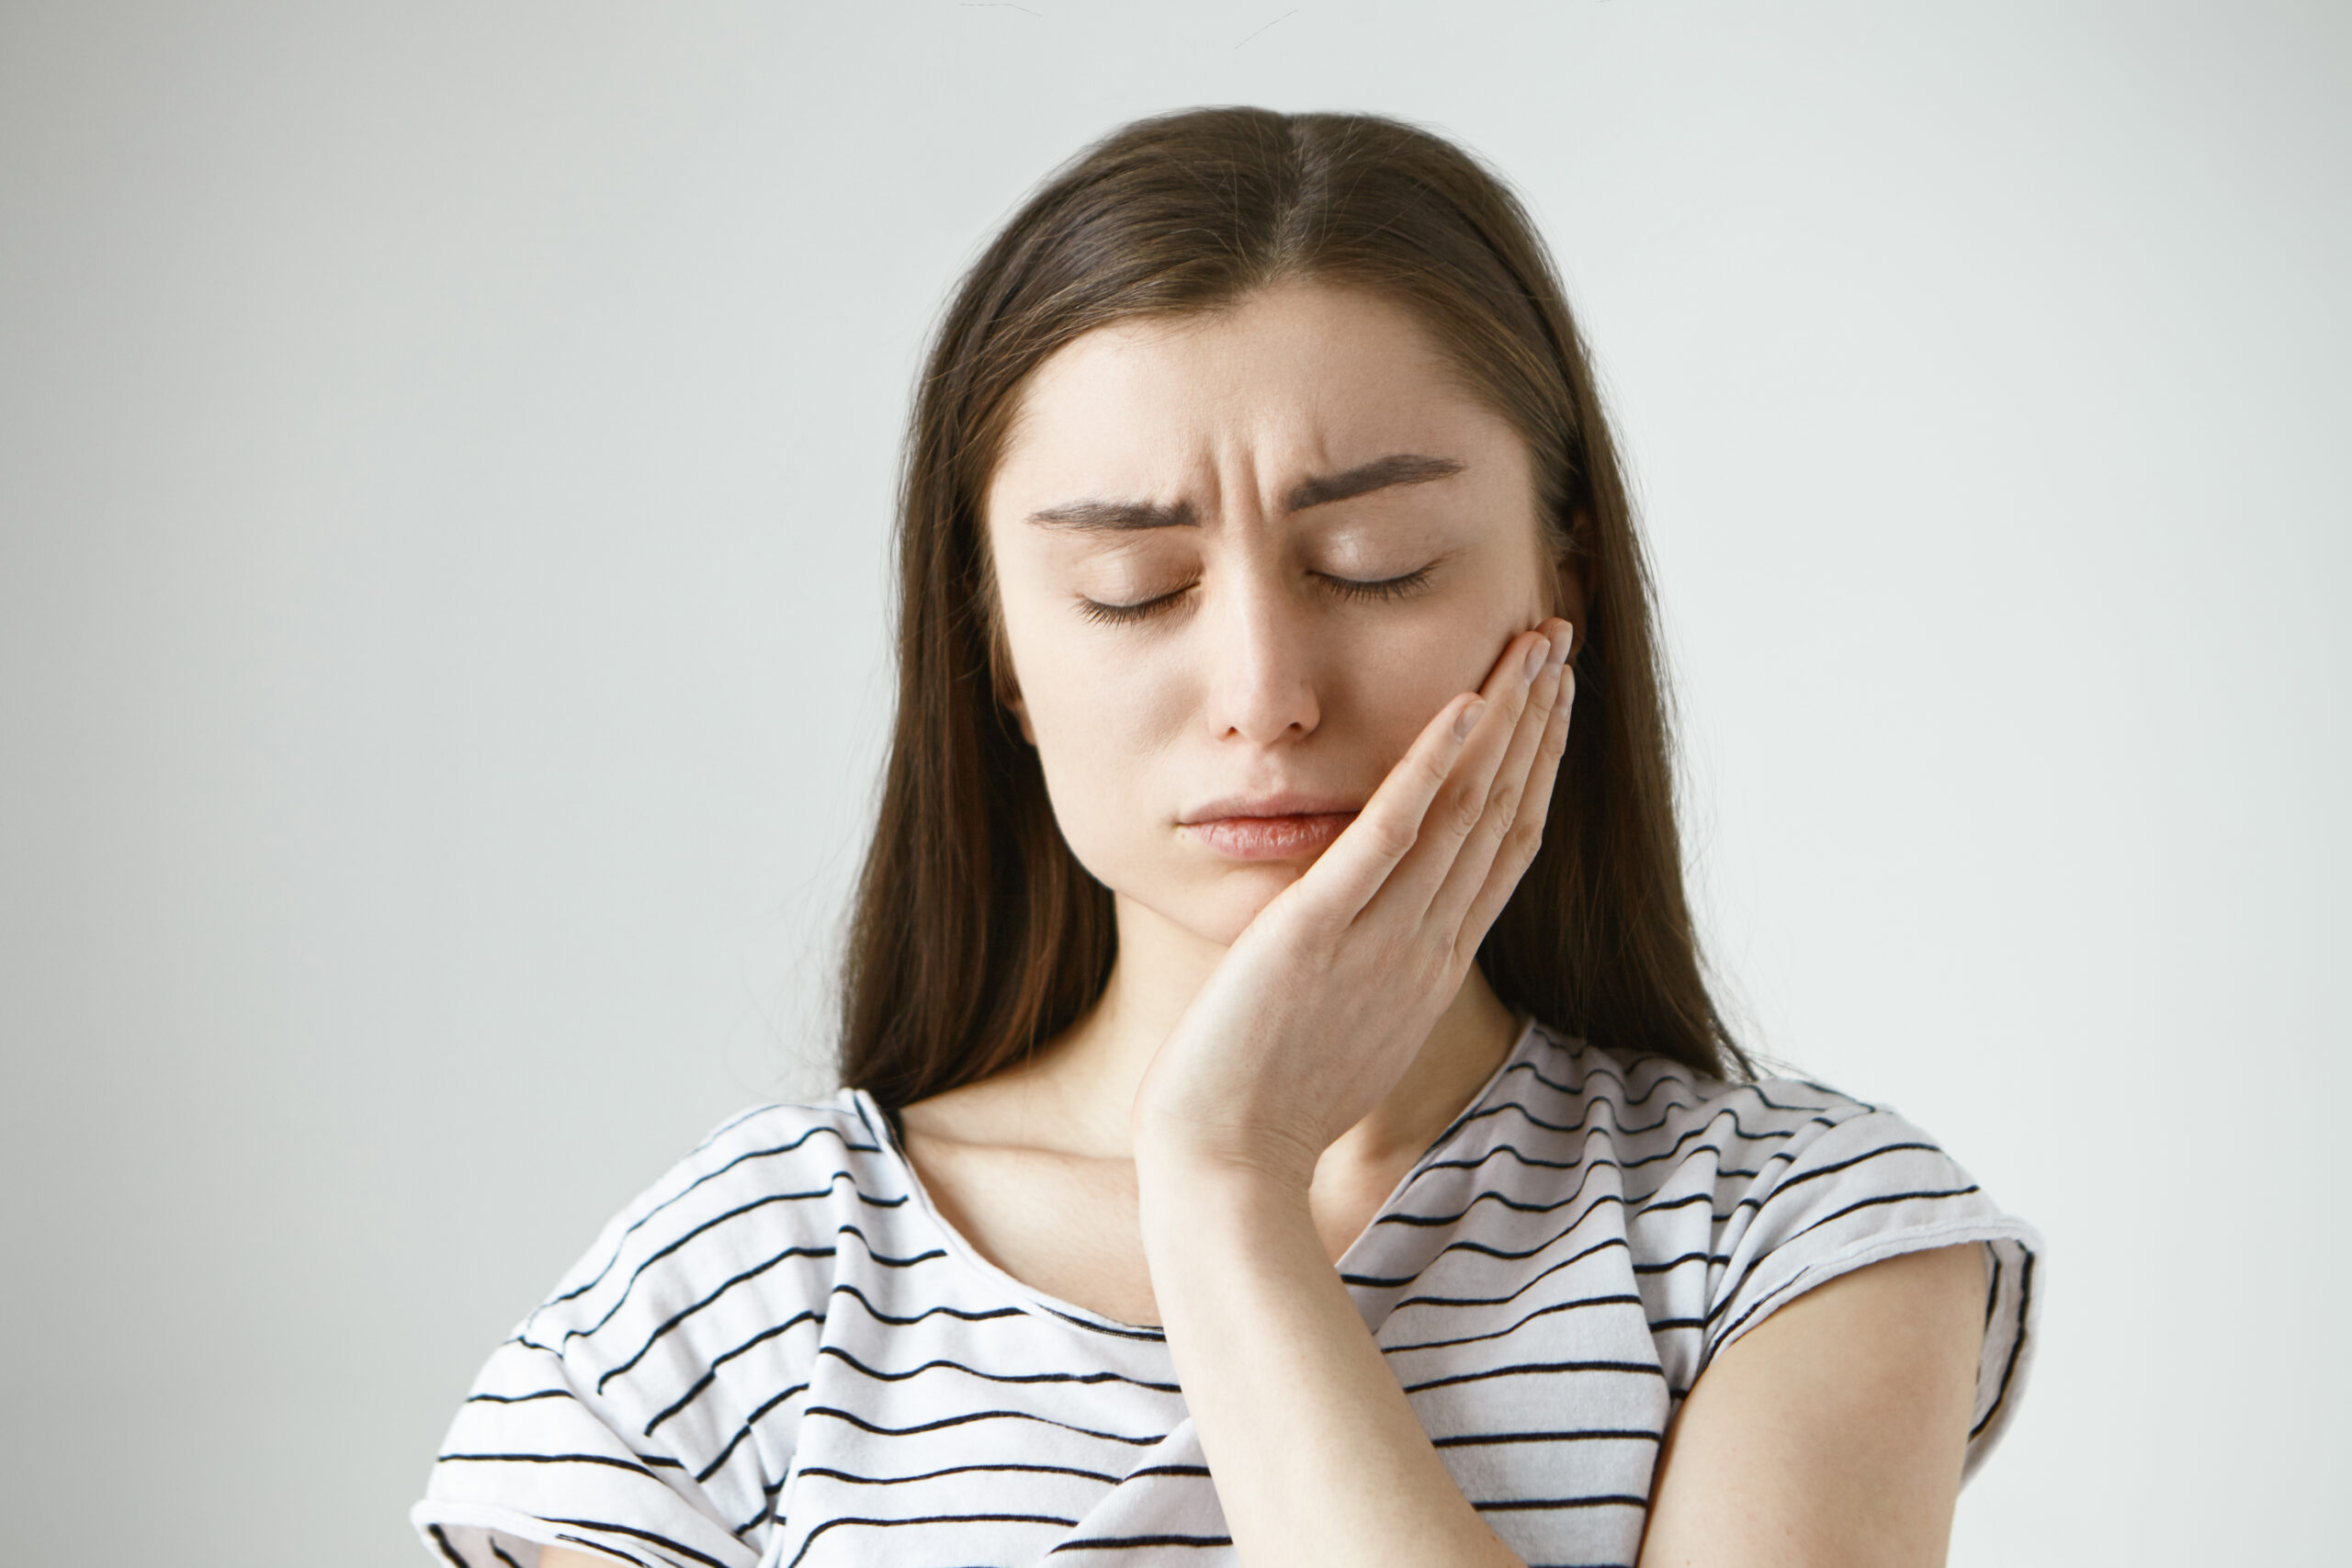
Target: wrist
[[1217, 1240], [1173, 1155], [1186, 1187]]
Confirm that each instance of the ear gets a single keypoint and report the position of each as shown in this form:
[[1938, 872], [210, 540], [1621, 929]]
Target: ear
[[1008, 692], [1569, 599], [1004, 684]]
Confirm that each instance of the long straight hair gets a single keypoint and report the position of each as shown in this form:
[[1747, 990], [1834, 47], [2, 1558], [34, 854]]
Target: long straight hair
[[977, 936]]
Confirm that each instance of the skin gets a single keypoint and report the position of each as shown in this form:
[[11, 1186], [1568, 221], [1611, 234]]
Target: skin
[[1280, 1038]]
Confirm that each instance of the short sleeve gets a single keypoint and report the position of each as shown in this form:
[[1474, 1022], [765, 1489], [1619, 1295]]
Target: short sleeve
[[648, 1409], [531, 1460], [1868, 1188]]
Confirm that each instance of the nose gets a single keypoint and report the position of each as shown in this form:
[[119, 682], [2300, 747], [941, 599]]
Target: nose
[[1262, 663]]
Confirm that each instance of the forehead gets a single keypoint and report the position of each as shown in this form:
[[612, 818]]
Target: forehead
[[1302, 376]]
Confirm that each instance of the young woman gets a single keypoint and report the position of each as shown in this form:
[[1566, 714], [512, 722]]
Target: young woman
[[1285, 1119]]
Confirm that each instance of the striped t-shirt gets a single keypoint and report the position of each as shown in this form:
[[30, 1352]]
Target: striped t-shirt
[[780, 1356]]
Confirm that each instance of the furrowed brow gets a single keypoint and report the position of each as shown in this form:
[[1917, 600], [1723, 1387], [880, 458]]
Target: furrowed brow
[[1399, 469], [1114, 517]]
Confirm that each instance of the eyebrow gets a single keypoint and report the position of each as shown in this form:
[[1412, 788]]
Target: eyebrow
[[1115, 516], [1398, 468], [1120, 516]]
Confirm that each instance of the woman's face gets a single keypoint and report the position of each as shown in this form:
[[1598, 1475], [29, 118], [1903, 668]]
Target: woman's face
[[1242, 559]]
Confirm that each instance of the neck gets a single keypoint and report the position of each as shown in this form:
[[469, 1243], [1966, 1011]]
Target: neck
[[1087, 1078]]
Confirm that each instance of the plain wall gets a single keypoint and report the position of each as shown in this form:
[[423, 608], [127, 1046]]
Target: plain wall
[[446, 462]]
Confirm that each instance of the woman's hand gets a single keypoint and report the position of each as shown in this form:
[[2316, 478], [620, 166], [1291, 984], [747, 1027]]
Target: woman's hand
[[1325, 999], [1308, 1021]]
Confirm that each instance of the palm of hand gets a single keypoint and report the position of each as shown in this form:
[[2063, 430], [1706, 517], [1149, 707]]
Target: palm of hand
[[1322, 1002]]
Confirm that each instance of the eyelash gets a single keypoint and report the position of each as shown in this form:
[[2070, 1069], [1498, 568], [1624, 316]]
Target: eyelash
[[1402, 587]]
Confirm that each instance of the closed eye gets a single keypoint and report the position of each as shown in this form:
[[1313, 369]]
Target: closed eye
[[1399, 587], [1409, 584], [1103, 614]]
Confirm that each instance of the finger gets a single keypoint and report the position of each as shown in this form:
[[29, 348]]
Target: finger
[[1501, 817], [1458, 808], [1526, 836], [1346, 876]]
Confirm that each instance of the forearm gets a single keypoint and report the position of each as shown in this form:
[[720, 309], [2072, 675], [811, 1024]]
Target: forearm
[[1316, 1454]]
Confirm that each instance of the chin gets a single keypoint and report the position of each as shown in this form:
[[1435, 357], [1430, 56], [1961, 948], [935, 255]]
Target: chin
[[1219, 912]]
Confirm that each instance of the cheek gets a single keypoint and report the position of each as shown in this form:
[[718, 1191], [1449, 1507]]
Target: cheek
[[1102, 731], [1418, 667], [1093, 720]]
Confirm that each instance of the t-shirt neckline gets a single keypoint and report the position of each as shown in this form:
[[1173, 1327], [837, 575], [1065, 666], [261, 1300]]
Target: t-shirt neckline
[[1040, 1303]]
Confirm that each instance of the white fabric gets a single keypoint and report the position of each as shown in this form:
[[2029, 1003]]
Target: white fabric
[[781, 1356]]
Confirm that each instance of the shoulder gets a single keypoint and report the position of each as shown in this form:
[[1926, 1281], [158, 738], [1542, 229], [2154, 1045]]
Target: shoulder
[[1742, 1196], [737, 1241], [696, 1312], [773, 1182], [762, 1157], [1675, 1130]]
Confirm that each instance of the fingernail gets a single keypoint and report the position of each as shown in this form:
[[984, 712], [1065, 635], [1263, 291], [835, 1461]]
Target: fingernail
[[1536, 656], [1467, 719], [1565, 640]]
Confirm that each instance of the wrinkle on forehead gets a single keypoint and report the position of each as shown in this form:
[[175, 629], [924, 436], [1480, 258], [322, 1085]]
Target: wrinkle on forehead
[[1324, 378]]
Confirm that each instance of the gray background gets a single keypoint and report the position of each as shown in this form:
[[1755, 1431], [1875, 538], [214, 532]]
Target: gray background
[[445, 453]]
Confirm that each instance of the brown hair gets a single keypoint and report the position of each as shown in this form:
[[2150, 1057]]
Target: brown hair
[[977, 936]]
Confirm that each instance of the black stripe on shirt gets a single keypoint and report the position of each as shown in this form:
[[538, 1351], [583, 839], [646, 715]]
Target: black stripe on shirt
[[629, 1465], [1104, 1325], [620, 1241], [883, 1258], [2017, 1345], [1584, 1122], [1378, 1281], [1392, 1281], [865, 1425], [1492, 1195], [1672, 1264], [1538, 1278], [853, 1480], [569, 1335], [1762, 1099], [1590, 1167], [1484, 1249], [1515, 1151], [1669, 1205], [810, 1539], [1578, 1090], [663, 1542], [606, 1549], [1585, 1073], [1579, 1306], [879, 1315], [675, 1318], [1533, 1368], [710, 1374], [753, 1419], [1573, 1435], [1820, 1170], [1722, 1306], [880, 1376]]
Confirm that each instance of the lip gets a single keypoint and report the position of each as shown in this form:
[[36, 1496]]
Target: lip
[[1268, 827], [1290, 803]]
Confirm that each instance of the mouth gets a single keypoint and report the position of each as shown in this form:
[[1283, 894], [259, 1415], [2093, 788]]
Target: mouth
[[1268, 829]]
